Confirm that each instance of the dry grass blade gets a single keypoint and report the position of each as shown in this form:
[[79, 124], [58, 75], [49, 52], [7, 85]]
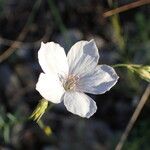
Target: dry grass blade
[[14, 45], [126, 7], [133, 118], [21, 36], [45, 37]]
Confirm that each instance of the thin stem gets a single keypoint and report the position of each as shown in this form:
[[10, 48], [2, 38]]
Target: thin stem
[[56, 15], [50, 106], [126, 7], [127, 65], [58, 20], [47, 129], [121, 65], [22, 34], [133, 118]]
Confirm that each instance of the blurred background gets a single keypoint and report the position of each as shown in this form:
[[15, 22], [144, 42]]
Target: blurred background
[[121, 38]]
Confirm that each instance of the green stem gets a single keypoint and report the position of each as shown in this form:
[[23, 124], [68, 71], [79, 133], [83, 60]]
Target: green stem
[[58, 20], [50, 106], [127, 65], [121, 65]]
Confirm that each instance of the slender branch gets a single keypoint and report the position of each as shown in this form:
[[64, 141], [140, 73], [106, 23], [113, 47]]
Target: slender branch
[[8, 42], [126, 7], [21, 36], [133, 118]]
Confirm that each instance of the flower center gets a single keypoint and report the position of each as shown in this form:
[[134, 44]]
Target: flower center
[[71, 82]]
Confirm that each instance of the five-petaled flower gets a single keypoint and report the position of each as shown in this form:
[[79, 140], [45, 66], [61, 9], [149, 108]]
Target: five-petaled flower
[[67, 78]]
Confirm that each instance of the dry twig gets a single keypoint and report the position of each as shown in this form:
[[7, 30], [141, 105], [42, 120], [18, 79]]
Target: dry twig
[[21, 36], [9, 42], [125, 8], [133, 118]]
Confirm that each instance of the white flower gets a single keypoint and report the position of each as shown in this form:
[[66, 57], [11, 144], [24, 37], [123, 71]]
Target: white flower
[[66, 78]]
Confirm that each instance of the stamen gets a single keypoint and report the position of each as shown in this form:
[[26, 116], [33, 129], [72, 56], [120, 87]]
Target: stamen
[[71, 82]]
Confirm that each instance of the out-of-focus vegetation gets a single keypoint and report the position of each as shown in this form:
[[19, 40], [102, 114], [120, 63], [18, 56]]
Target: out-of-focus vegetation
[[122, 38]]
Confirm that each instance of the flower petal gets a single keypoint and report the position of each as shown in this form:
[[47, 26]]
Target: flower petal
[[82, 57], [79, 104], [50, 87], [102, 79], [52, 58]]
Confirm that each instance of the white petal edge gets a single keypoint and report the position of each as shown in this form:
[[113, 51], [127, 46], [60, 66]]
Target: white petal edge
[[52, 58], [101, 80], [80, 104], [82, 57], [50, 87]]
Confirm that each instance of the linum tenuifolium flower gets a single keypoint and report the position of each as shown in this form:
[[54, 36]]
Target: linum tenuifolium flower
[[66, 78]]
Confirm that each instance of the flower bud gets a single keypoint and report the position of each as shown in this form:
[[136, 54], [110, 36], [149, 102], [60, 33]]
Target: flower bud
[[144, 73], [39, 110]]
